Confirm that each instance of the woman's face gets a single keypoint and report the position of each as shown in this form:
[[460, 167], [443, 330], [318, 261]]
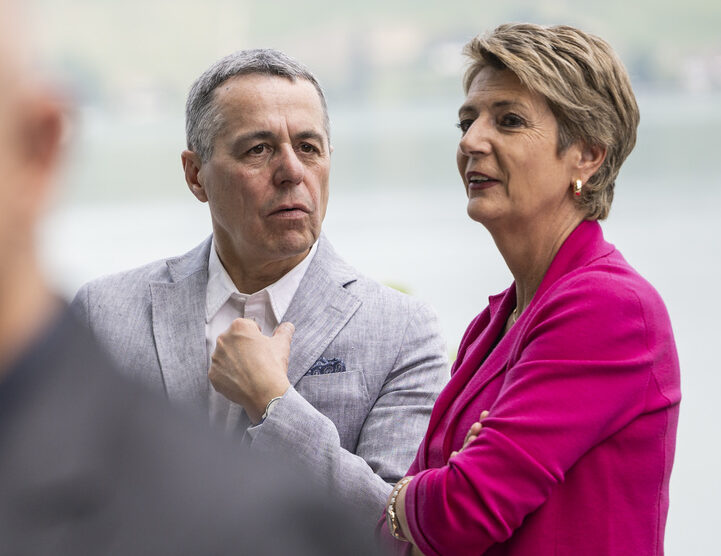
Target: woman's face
[[508, 156]]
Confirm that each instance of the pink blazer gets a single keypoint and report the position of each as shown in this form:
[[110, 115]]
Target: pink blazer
[[583, 393]]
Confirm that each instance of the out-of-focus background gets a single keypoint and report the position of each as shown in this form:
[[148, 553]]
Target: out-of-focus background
[[391, 71]]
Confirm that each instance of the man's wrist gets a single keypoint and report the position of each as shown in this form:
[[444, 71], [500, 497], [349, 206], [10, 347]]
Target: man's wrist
[[269, 407], [259, 411]]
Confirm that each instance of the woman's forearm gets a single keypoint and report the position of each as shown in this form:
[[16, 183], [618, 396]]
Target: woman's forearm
[[396, 508], [401, 513]]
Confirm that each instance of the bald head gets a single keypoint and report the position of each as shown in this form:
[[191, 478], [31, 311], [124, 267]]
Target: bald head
[[30, 126], [11, 63], [30, 129], [16, 51]]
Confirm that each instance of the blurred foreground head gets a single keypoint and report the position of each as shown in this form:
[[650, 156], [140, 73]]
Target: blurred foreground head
[[30, 129]]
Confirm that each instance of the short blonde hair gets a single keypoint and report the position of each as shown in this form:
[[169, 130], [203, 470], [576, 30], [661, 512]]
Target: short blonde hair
[[586, 87]]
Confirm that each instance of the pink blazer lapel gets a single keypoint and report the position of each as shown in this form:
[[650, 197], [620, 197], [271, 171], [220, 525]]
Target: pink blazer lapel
[[478, 340]]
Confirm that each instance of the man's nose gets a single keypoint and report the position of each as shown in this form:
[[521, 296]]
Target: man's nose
[[476, 140], [290, 170]]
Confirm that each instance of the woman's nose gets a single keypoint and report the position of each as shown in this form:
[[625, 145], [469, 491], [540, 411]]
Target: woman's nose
[[476, 139]]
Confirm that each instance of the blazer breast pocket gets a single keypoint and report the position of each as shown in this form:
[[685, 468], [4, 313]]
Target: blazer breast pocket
[[340, 396]]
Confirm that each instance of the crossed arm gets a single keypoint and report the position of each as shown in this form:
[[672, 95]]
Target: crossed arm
[[399, 505], [557, 402]]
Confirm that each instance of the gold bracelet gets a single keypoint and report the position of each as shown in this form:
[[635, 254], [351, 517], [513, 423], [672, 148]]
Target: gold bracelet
[[394, 525]]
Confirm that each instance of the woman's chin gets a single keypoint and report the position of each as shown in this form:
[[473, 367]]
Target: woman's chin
[[482, 212]]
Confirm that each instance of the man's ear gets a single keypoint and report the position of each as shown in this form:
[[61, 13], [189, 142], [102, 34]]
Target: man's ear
[[41, 125], [42, 129], [589, 161], [191, 167]]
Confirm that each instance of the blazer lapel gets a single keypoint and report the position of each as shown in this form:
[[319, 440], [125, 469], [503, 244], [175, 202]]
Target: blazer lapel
[[178, 309], [582, 246], [320, 308], [472, 373]]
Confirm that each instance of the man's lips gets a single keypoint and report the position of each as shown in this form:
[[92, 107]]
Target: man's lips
[[289, 210], [479, 180]]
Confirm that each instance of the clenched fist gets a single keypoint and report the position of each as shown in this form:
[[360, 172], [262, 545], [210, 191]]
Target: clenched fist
[[251, 369]]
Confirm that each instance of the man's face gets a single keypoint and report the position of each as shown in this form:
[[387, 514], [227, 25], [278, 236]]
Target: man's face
[[15, 189], [267, 179], [7, 162]]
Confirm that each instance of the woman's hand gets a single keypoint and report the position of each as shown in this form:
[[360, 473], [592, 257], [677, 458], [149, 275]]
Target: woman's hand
[[472, 434]]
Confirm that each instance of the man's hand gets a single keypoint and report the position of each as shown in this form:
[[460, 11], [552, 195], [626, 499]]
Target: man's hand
[[472, 434], [251, 369]]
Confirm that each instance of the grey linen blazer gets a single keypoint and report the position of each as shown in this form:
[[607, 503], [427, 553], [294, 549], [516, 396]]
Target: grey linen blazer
[[358, 429]]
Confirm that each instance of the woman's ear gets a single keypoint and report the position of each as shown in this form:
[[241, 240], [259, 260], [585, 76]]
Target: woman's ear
[[589, 161], [191, 167]]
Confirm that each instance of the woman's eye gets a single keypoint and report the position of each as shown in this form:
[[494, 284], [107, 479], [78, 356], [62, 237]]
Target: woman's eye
[[511, 120], [464, 125]]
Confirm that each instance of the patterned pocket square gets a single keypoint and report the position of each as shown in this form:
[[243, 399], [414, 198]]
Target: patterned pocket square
[[326, 366]]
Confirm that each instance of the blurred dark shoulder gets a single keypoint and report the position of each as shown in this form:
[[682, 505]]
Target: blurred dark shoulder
[[91, 463]]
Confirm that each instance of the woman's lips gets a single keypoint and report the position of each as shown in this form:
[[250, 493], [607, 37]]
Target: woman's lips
[[478, 181]]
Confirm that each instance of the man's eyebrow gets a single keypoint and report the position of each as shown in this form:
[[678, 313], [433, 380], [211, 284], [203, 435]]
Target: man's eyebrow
[[253, 135], [310, 134], [263, 135]]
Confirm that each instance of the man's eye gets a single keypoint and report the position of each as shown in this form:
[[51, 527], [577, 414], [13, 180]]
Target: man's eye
[[464, 125], [258, 149], [512, 120], [307, 148]]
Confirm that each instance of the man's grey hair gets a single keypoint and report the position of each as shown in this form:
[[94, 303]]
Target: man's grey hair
[[203, 120]]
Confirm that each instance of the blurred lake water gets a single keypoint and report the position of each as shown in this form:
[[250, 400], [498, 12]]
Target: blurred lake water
[[397, 212]]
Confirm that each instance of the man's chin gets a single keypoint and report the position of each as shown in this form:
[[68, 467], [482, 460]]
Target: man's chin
[[292, 246]]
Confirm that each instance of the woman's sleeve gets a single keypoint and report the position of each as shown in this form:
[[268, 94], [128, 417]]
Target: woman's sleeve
[[581, 374]]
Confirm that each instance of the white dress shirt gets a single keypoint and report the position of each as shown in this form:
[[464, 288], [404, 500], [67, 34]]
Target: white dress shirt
[[224, 303]]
